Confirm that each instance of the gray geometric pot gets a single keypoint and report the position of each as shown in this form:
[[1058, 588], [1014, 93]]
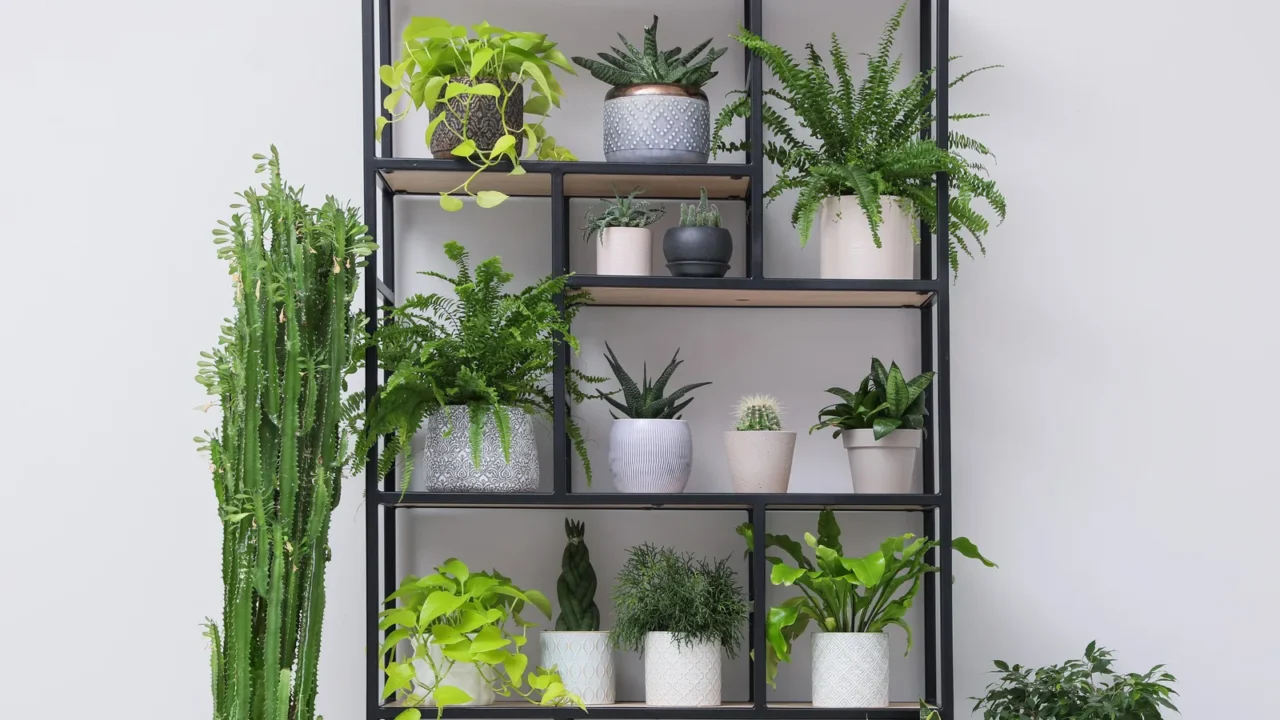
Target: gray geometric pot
[[446, 454], [657, 124], [697, 251], [484, 123]]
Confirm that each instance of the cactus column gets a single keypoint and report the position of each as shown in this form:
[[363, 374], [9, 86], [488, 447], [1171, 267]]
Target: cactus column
[[577, 648]]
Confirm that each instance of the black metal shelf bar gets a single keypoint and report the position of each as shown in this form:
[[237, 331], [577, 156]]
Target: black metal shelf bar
[[646, 501], [636, 711]]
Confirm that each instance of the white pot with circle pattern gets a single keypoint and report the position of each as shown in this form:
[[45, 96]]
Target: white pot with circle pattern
[[850, 670], [584, 661], [650, 456], [683, 674], [448, 464]]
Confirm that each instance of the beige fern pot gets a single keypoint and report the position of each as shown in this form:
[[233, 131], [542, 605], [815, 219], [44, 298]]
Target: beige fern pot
[[760, 460], [584, 660], [846, 249]]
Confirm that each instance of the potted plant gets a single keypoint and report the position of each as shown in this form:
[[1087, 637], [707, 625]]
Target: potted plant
[[681, 614], [624, 242], [283, 354], [851, 601], [655, 110], [867, 172], [471, 81], [577, 648], [1080, 689], [759, 450], [699, 247], [464, 653], [471, 372], [651, 449], [881, 426]]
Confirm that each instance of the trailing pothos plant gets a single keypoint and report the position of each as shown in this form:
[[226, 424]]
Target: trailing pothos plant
[[866, 141], [844, 594], [442, 61], [884, 402], [457, 616]]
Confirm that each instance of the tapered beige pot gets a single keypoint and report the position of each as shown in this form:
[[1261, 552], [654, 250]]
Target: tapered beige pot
[[847, 249], [760, 460], [887, 465]]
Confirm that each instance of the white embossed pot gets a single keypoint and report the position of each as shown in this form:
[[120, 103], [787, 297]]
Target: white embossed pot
[[657, 123], [887, 465], [850, 670], [760, 460], [585, 663], [650, 456], [446, 454], [847, 250], [684, 674], [463, 676]]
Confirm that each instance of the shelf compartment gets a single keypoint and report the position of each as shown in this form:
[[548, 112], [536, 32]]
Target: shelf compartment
[[648, 501], [641, 711], [662, 291], [426, 176]]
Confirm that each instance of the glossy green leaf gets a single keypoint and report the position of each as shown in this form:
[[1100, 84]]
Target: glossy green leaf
[[387, 75], [488, 638], [431, 126], [410, 714], [488, 89], [489, 198], [539, 79], [965, 547], [445, 695], [421, 28], [445, 635], [515, 665], [392, 99], [454, 89], [869, 570], [783, 574], [379, 124], [537, 105], [439, 581], [536, 598], [431, 93], [456, 568], [478, 60], [469, 620], [501, 145], [438, 603], [466, 148]]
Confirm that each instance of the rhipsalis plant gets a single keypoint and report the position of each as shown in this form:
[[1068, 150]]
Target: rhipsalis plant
[[1081, 689], [844, 594], [576, 587], [481, 347], [759, 413], [653, 67], [277, 458], [884, 402], [865, 141], [622, 212], [700, 214], [457, 616], [647, 401]]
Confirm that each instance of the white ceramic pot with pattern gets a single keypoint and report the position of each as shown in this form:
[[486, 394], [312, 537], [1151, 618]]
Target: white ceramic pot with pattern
[[682, 674], [446, 453], [850, 670], [584, 661], [650, 456]]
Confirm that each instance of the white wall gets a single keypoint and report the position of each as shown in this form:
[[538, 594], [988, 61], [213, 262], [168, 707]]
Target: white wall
[[1110, 357]]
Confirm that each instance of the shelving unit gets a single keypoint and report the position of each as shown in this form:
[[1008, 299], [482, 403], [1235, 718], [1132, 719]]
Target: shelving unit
[[387, 176]]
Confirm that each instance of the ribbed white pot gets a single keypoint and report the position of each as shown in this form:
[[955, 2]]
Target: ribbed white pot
[[760, 460], [585, 663], [887, 465], [850, 670], [650, 456], [463, 676], [624, 251], [681, 674], [847, 250]]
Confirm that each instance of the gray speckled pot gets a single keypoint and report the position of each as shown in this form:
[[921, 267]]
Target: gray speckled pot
[[656, 128], [446, 454]]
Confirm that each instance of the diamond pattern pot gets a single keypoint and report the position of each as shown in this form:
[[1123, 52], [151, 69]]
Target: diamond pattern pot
[[657, 129], [850, 670], [585, 662], [680, 674]]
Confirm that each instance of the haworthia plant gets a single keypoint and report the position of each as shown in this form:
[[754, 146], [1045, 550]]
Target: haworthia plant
[[576, 587], [647, 401], [277, 375], [667, 67]]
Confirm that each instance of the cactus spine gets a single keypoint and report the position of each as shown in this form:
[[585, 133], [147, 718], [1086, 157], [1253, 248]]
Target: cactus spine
[[703, 214], [278, 455], [759, 412], [576, 588]]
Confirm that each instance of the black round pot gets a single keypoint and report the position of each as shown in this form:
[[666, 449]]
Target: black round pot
[[697, 251]]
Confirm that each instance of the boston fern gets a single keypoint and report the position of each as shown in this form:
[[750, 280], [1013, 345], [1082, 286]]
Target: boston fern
[[486, 349], [652, 67], [647, 401], [866, 141]]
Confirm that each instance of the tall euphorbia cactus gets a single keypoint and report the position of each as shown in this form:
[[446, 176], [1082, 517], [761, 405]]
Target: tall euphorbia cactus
[[576, 588], [277, 459]]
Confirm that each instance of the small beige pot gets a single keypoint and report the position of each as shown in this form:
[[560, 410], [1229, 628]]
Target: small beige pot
[[760, 460], [624, 251], [887, 465]]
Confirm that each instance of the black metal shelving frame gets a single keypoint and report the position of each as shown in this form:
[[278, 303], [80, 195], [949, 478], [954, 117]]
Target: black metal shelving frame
[[385, 178]]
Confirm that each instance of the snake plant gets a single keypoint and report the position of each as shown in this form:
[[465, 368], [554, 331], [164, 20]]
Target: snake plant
[[576, 587]]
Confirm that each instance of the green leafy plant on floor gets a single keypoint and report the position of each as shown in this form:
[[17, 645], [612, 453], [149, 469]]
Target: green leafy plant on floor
[[700, 214], [866, 141], [844, 594], [464, 617], [1080, 689], [653, 67], [441, 61], [621, 212], [758, 413], [278, 455], [647, 401], [661, 590], [884, 402], [576, 586], [483, 348]]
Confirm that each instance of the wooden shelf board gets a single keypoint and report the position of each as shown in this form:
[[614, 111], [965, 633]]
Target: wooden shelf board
[[583, 180], [726, 297]]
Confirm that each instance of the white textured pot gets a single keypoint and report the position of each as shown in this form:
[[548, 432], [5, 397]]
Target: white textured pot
[[847, 250], [760, 460], [585, 663], [446, 453], [463, 676], [650, 456], [850, 670], [887, 465], [624, 251], [681, 674]]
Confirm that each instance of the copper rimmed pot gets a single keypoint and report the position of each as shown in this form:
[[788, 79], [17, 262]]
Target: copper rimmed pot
[[657, 124]]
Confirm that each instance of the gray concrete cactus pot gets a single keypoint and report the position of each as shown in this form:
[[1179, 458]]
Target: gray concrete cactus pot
[[657, 124], [446, 454], [484, 121], [697, 251]]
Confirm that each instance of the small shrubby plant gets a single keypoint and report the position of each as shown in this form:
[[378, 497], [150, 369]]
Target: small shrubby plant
[[622, 212], [758, 413]]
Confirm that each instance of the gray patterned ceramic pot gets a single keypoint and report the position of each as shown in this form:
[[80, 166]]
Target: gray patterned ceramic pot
[[446, 454], [657, 124], [484, 122]]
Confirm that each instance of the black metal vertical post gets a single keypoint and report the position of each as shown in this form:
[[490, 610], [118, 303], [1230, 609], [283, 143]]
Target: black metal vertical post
[[943, 385], [388, 252], [926, 364], [754, 22], [758, 516], [562, 481], [371, 300], [384, 58]]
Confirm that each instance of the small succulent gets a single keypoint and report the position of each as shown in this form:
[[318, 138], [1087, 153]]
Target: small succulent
[[651, 67], [576, 587], [759, 412], [701, 214], [647, 402], [622, 212]]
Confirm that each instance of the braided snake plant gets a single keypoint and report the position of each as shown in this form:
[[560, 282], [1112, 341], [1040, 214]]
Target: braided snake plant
[[576, 587]]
